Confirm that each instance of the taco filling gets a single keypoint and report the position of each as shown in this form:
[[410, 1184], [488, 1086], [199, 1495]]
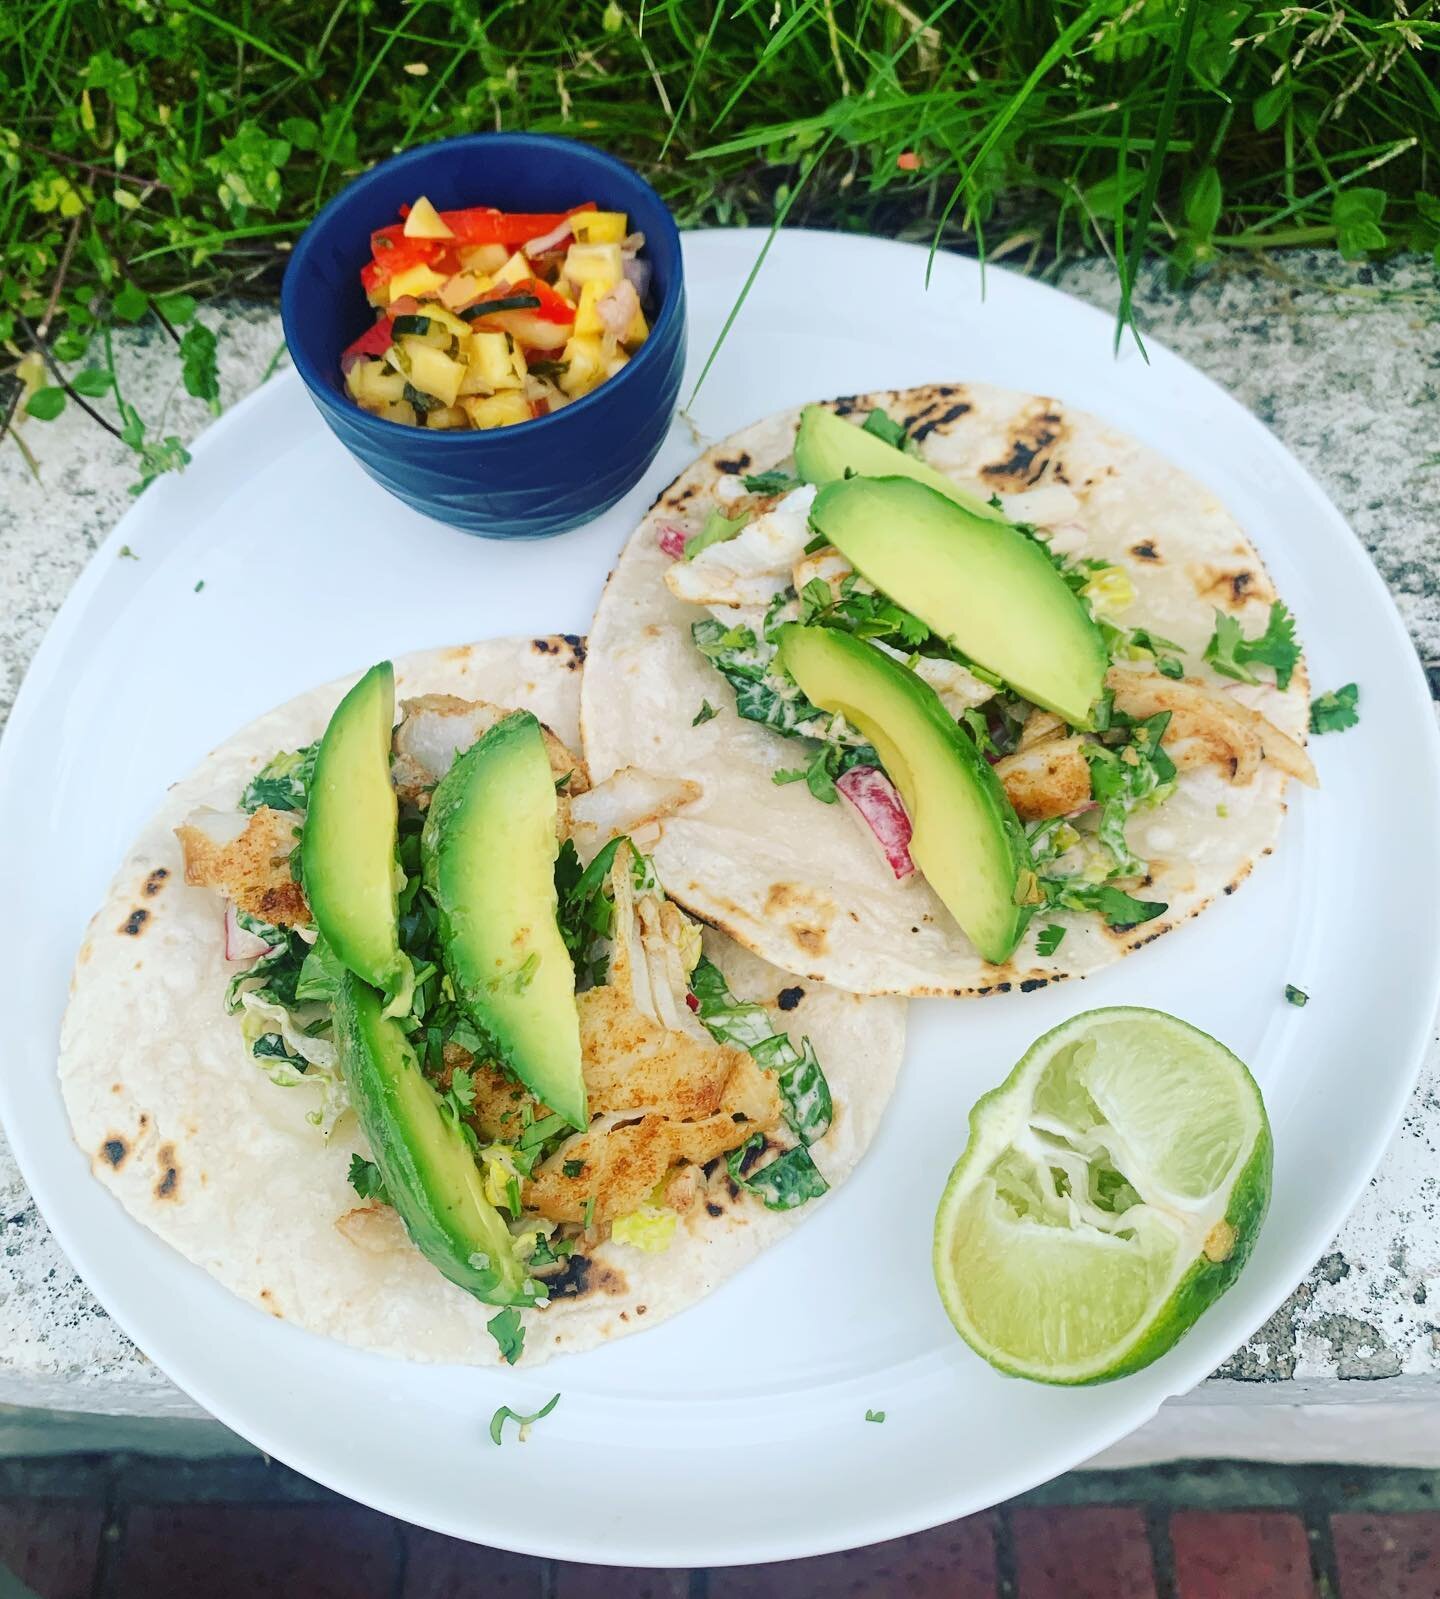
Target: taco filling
[[444, 928], [957, 674]]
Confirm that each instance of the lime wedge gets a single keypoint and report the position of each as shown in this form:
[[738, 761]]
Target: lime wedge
[[1112, 1189]]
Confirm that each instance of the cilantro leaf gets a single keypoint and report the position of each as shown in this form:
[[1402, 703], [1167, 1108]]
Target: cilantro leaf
[[886, 428], [504, 1414], [586, 909], [573, 1168], [1297, 996], [706, 712], [1232, 654], [1048, 939], [1120, 910], [775, 481], [1335, 711], [366, 1180], [874, 1415], [508, 1334]]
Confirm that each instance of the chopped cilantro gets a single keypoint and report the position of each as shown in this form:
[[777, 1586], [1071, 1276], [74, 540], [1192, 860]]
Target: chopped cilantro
[[200, 585], [504, 1414], [563, 782], [587, 908], [1165, 651], [874, 1415], [1048, 940], [366, 1180], [283, 783], [507, 1332], [1335, 711], [776, 481], [706, 712], [886, 428], [588, 1215], [1297, 996], [1120, 910], [1232, 654], [573, 1168], [127, 554]]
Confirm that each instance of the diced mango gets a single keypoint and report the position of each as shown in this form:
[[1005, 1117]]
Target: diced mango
[[400, 411], [494, 364], [463, 288], [587, 318], [638, 331], [484, 257], [616, 361], [425, 222], [516, 270], [585, 366], [600, 264], [420, 280], [448, 416], [433, 372], [375, 384], [498, 410], [599, 227]]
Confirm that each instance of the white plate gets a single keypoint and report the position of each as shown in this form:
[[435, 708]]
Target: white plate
[[737, 1432]]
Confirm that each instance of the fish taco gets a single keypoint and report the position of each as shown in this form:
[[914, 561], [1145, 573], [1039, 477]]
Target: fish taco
[[394, 1030], [980, 693]]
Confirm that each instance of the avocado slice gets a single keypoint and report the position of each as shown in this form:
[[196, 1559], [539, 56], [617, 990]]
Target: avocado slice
[[488, 852], [430, 1175], [828, 449], [967, 839], [348, 846], [983, 585]]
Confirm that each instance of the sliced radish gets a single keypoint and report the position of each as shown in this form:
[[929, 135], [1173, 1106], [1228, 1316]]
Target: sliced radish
[[671, 538], [692, 1002], [877, 804], [240, 943]]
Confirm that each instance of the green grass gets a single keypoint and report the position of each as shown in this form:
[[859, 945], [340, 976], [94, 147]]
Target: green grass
[[151, 149]]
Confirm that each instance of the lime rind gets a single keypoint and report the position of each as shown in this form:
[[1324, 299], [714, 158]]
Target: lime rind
[[1111, 1190]]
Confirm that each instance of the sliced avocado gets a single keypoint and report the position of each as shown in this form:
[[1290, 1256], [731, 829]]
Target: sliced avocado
[[982, 584], [967, 839], [828, 449], [430, 1175], [488, 850], [348, 847]]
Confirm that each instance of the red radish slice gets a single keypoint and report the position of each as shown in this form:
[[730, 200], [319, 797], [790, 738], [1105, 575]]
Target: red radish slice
[[672, 538], [877, 804], [692, 1002], [240, 943]]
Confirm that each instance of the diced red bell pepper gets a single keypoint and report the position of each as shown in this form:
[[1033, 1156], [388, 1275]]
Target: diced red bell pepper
[[373, 341], [482, 224], [394, 254]]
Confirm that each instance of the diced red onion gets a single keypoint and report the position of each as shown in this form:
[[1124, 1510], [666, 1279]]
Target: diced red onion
[[672, 538], [692, 1002], [548, 241], [638, 272], [632, 244], [1080, 810], [877, 804], [617, 307], [240, 943]]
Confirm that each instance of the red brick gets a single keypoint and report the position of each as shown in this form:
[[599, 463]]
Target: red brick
[[1261, 1554], [954, 1562], [449, 1568], [1388, 1557], [228, 1551], [1082, 1552], [51, 1545], [619, 1582]]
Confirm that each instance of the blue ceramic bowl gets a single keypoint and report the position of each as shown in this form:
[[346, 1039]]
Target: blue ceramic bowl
[[536, 478]]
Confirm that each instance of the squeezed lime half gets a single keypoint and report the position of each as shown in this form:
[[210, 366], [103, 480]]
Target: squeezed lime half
[[1112, 1189]]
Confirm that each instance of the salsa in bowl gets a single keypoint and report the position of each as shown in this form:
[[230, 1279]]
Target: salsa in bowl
[[487, 318], [597, 404]]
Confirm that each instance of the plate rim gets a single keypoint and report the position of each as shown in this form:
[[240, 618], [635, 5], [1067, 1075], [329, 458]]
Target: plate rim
[[1416, 705]]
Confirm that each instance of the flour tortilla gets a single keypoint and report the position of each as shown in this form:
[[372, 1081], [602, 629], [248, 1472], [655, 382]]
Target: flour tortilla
[[794, 880], [199, 1145]]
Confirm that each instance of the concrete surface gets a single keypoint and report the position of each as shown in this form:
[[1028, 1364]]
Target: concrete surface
[[1343, 363]]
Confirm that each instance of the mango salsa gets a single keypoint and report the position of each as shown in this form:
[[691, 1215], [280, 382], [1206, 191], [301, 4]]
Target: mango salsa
[[487, 318]]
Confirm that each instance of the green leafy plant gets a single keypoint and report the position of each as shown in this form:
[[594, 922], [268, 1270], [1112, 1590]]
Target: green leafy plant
[[154, 155]]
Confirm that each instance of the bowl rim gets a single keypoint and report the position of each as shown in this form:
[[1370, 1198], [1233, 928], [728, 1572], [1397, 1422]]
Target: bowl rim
[[471, 438]]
